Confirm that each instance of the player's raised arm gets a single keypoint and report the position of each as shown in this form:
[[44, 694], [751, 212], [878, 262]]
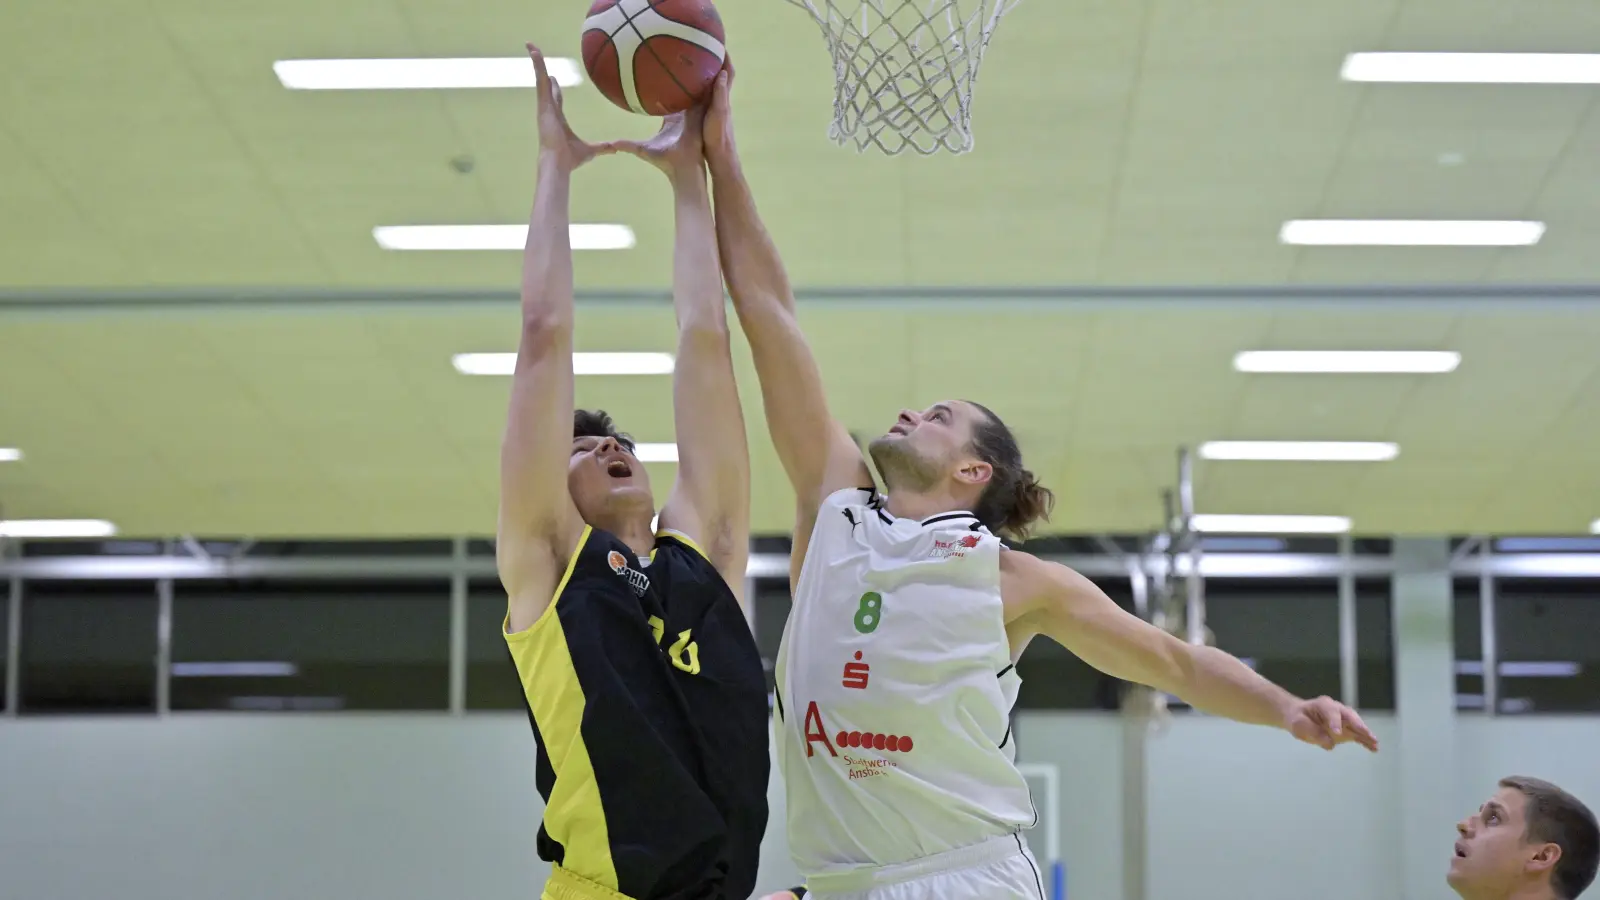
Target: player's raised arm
[[1068, 608], [539, 525], [711, 500], [817, 452]]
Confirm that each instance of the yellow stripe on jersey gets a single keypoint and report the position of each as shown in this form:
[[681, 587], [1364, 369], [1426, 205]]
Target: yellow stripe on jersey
[[574, 816], [684, 539]]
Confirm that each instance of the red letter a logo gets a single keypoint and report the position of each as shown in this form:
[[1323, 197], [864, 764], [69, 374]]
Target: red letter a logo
[[816, 731]]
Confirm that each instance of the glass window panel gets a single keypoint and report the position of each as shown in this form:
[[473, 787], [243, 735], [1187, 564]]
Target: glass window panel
[[772, 602], [310, 646], [492, 681], [88, 647], [1053, 678], [1287, 630], [1468, 634], [5, 642], [1374, 644], [1548, 644]]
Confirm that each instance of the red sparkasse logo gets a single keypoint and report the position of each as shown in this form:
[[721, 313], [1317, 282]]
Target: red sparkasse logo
[[856, 674]]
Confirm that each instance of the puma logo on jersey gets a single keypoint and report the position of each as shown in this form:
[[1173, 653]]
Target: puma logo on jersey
[[957, 548], [636, 579], [856, 674]]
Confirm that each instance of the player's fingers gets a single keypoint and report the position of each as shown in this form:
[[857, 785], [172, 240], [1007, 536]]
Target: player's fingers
[[541, 77], [1363, 735]]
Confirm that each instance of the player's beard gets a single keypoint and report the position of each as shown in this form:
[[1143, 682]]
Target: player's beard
[[902, 467]]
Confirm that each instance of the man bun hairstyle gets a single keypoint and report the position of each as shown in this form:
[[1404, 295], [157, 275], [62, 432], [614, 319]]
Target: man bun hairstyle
[[1014, 500], [1556, 817], [597, 423]]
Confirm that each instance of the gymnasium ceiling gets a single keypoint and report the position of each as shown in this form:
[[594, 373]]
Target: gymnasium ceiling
[[147, 151]]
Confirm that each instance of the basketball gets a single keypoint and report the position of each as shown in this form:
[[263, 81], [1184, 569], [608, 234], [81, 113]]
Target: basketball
[[655, 57]]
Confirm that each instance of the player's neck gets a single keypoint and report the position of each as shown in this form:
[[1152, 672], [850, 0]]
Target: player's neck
[[634, 532], [1530, 891], [904, 504]]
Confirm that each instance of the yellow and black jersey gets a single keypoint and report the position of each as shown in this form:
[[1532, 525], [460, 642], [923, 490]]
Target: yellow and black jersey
[[649, 709]]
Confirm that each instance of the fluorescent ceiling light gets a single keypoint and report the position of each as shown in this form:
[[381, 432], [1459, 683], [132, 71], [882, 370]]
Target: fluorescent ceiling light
[[582, 363], [1594, 527], [1410, 233], [234, 670], [1348, 361], [56, 528], [1300, 451], [1473, 68], [1229, 524], [495, 237], [10, 454], [419, 74], [1534, 669], [656, 453]]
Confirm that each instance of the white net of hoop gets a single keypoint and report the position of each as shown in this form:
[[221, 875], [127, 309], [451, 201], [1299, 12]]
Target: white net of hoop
[[905, 69]]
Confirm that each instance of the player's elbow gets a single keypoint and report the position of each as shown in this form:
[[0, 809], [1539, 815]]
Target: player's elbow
[[544, 327], [705, 331]]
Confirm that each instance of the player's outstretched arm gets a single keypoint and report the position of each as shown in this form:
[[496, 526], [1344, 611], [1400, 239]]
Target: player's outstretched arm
[[1068, 608], [538, 525], [711, 500], [816, 451]]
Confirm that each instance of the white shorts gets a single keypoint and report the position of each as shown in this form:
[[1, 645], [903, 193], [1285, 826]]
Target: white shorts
[[1000, 868]]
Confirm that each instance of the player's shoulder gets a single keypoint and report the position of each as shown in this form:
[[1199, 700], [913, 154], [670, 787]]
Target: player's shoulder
[[1026, 578], [853, 498]]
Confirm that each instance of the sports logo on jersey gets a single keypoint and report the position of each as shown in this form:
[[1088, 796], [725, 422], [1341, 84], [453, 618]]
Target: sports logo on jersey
[[636, 579], [856, 673], [956, 548], [816, 732]]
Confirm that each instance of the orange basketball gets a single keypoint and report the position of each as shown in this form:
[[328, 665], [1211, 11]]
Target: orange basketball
[[655, 57]]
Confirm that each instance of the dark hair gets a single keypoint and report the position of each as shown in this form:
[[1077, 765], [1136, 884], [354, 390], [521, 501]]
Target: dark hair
[[1556, 817], [597, 423], [1014, 499]]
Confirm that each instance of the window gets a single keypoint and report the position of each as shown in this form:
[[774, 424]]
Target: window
[[1286, 630], [6, 599], [492, 681], [772, 602], [1465, 610], [1374, 645], [1549, 659], [87, 647], [1053, 678], [305, 646]]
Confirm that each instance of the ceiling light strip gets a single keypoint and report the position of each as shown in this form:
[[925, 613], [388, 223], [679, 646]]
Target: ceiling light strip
[[1300, 451], [56, 528], [584, 236], [420, 74], [1395, 362], [1410, 233], [1268, 524], [582, 363], [1473, 68]]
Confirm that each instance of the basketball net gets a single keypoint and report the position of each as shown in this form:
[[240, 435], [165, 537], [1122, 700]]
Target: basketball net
[[905, 69]]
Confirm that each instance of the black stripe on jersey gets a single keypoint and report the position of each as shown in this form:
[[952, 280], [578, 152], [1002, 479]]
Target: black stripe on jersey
[[1005, 740], [778, 696], [1037, 880], [1002, 672], [947, 517]]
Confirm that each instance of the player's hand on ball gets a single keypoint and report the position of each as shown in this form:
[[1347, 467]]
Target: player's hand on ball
[[1328, 723], [718, 128], [676, 149], [555, 135]]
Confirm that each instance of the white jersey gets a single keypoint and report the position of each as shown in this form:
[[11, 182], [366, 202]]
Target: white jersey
[[895, 687]]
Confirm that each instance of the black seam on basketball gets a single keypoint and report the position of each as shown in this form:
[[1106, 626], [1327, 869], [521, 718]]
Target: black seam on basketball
[[644, 44], [616, 53]]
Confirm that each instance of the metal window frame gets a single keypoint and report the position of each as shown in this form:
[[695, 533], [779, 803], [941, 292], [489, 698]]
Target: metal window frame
[[459, 567]]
